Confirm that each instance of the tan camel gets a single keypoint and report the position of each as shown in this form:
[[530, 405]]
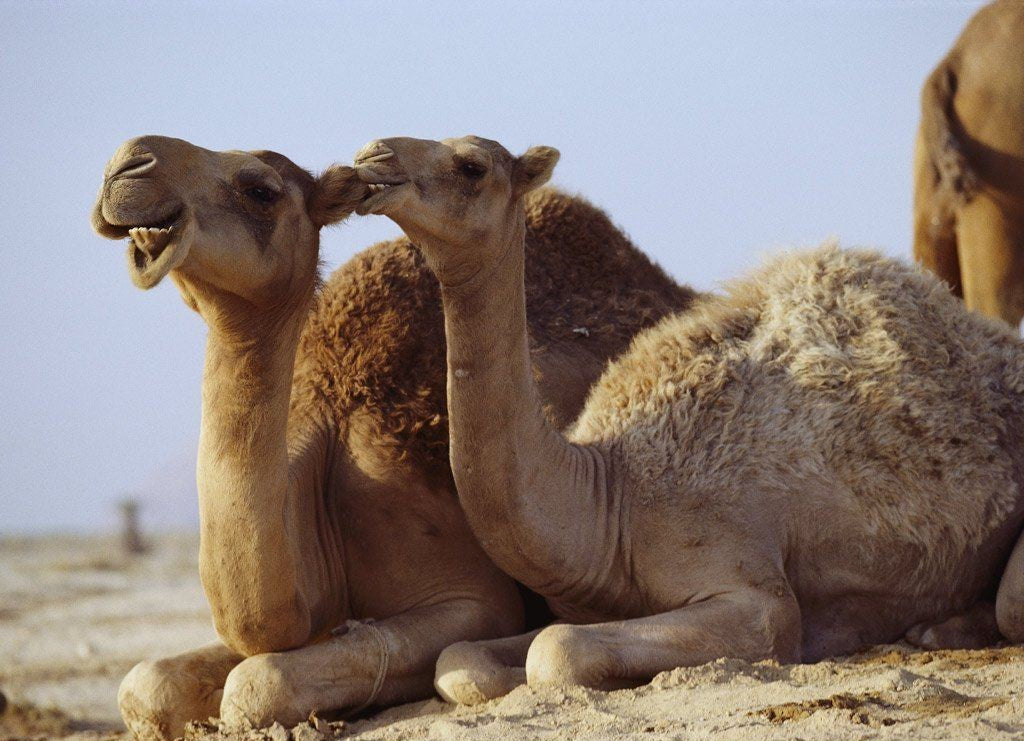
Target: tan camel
[[325, 491], [969, 165], [830, 455]]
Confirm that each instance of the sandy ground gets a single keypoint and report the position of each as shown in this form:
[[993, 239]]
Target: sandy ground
[[75, 615]]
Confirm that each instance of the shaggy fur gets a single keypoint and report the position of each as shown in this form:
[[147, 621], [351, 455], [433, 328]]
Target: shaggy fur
[[853, 398]]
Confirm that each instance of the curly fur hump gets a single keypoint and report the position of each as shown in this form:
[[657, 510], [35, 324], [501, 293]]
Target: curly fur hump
[[375, 337]]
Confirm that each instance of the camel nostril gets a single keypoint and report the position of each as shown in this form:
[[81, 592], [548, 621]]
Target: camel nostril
[[134, 166]]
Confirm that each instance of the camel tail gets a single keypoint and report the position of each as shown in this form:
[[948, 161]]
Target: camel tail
[[954, 179]]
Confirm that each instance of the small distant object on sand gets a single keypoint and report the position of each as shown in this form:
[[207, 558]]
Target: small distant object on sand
[[131, 535]]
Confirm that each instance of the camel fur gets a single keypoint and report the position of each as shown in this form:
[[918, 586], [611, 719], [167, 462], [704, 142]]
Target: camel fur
[[826, 456], [325, 491]]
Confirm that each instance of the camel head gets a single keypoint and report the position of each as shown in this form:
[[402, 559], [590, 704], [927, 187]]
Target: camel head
[[241, 223], [454, 198]]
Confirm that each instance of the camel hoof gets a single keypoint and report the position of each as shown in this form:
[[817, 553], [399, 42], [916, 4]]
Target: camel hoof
[[564, 655], [258, 692], [156, 703], [468, 674]]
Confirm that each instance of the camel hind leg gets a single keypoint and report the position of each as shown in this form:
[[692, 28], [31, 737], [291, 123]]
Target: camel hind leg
[[935, 245], [975, 628], [991, 250]]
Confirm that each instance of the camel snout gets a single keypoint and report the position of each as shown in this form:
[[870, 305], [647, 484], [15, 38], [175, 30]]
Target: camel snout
[[133, 167], [136, 157], [375, 151]]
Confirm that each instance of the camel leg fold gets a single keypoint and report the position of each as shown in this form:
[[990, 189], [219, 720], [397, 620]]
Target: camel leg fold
[[991, 251], [1010, 597], [975, 628], [157, 698], [382, 663], [471, 672], [752, 625]]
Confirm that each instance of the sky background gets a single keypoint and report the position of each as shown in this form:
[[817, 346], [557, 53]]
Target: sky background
[[712, 132]]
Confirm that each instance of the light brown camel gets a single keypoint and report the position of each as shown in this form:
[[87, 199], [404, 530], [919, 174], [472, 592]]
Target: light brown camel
[[969, 165], [829, 455], [324, 485]]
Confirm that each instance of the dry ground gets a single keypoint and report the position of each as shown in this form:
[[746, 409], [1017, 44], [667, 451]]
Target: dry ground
[[75, 615]]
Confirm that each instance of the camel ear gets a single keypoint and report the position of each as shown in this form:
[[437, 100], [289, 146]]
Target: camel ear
[[533, 168], [338, 191]]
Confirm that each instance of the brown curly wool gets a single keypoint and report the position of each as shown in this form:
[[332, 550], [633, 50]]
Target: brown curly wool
[[374, 341]]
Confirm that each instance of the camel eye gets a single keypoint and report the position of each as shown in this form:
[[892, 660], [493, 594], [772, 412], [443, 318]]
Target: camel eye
[[263, 195], [472, 170]]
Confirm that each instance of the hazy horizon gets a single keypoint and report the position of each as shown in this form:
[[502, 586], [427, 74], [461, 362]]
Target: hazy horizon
[[712, 132]]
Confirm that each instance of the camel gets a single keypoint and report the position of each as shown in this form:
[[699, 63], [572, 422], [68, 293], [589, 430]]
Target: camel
[[828, 455], [334, 554], [969, 165]]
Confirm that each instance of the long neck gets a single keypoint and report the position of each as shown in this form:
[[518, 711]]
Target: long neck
[[540, 506], [258, 509]]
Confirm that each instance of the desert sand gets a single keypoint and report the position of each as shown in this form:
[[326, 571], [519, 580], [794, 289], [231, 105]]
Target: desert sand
[[75, 614]]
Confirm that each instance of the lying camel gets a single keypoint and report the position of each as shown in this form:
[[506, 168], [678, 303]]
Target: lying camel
[[829, 455], [969, 165], [324, 487]]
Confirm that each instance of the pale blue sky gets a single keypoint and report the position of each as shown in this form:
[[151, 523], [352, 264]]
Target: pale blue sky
[[711, 131]]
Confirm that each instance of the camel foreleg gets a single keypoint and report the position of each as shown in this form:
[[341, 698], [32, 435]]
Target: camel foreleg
[[471, 672], [378, 663], [157, 698], [750, 624]]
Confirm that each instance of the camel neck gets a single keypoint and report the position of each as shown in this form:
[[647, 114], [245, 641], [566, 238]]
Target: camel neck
[[537, 503], [258, 506]]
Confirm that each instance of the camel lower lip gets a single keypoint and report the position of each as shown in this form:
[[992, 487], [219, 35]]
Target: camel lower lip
[[146, 270], [372, 204]]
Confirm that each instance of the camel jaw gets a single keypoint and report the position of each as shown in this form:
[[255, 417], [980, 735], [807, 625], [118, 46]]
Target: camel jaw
[[153, 252]]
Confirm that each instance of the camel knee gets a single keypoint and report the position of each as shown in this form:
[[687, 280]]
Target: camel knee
[[260, 691], [156, 701], [469, 674], [266, 631], [563, 655]]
